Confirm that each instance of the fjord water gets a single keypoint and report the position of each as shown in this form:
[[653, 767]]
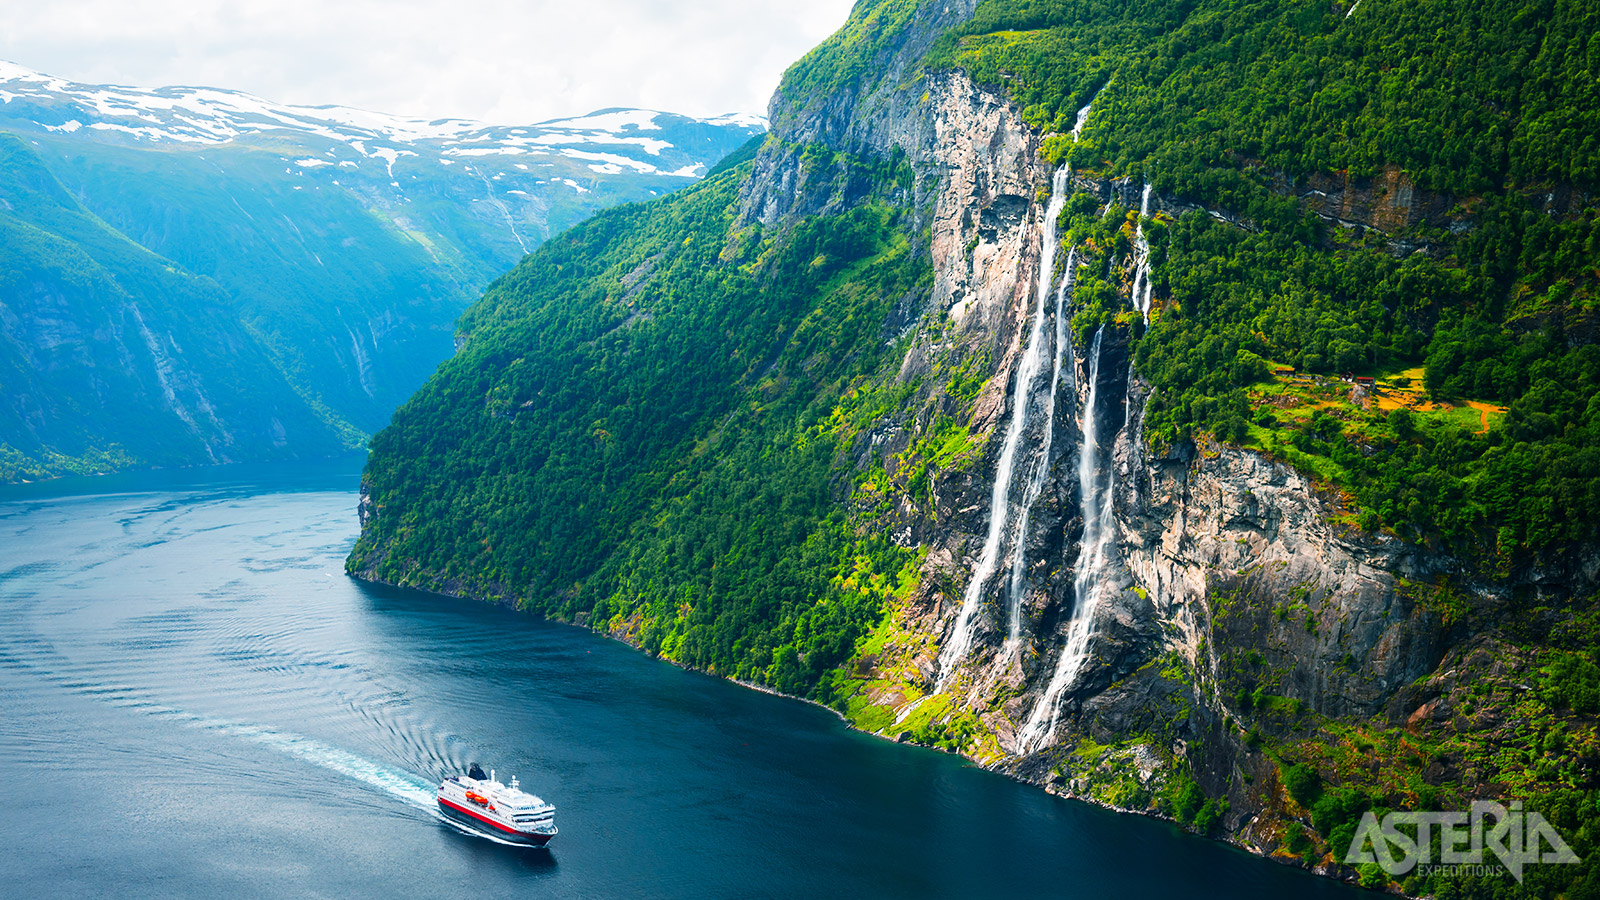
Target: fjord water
[[195, 701]]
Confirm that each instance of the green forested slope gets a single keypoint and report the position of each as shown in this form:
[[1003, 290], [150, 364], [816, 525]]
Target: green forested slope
[[340, 254], [1485, 307], [101, 337], [566, 457], [313, 271], [1461, 95], [639, 424], [1231, 105], [656, 423]]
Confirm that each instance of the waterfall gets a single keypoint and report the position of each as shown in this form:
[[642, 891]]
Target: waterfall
[[1083, 118], [1094, 558], [363, 361], [1140, 295], [1041, 471], [999, 500]]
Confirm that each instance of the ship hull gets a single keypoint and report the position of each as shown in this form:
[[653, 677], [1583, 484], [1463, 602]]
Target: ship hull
[[477, 822]]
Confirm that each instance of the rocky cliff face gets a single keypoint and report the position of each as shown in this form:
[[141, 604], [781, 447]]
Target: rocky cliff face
[[1132, 625], [1233, 588]]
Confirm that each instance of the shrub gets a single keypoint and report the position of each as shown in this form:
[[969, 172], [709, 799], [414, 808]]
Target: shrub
[[1303, 783]]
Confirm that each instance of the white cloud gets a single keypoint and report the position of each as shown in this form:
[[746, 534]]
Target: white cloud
[[507, 61]]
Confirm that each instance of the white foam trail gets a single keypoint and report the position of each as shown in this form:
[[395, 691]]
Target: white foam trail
[[395, 782], [955, 649], [1041, 471], [1094, 555], [392, 781], [400, 784]]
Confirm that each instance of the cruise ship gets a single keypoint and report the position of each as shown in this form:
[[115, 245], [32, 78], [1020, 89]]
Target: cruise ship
[[501, 811]]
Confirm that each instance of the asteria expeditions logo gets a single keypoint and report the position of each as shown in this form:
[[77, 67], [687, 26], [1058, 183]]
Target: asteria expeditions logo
[[1517, 839]]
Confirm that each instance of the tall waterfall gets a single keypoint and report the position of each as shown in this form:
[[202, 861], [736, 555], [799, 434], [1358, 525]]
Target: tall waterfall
[[1041, 469], [1094, 559], [955, 649], [1141, 261]]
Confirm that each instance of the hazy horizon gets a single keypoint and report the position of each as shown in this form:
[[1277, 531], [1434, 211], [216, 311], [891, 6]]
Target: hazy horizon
[[487, 60]]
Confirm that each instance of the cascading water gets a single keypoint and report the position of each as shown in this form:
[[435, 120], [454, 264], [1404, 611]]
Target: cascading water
[[999, 500], [1095, 552], [1083, 119], [1140, 295], [1041, 470]]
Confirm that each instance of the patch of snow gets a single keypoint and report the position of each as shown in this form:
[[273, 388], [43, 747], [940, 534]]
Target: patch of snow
[[486, 151], [608, 120], [389, 155], [690, 171], [611, 158], [10, 71], [311, 162], [574, 185], [148, 133], [741, 120], [651, 146], [607, 138]]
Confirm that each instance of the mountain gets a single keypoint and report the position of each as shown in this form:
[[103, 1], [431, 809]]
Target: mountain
[[338, 244], [1190, 408]]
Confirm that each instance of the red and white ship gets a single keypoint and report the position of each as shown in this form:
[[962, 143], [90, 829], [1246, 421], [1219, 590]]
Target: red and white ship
[[505, 812]]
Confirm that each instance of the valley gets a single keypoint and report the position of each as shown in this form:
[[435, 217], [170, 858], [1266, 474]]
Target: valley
[[331, 250]]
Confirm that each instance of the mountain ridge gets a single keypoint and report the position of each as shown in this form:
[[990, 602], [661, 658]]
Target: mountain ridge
[[344, 246], [207, 115]]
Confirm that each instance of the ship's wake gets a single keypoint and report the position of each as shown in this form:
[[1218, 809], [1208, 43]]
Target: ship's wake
[[39, 659]]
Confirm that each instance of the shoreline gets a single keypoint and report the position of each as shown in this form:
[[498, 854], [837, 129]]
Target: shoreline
[[996, 769]]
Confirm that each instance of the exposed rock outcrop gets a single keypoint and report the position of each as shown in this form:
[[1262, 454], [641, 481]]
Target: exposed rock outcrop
[[1231, 575]]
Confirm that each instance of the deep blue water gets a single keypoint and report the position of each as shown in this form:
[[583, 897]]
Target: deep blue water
[[196, 702]]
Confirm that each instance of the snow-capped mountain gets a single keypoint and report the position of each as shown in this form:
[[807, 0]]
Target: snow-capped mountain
[[606, 142], [197, 275]]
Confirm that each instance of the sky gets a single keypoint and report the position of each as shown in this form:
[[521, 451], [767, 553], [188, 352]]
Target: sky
[[498, 61]]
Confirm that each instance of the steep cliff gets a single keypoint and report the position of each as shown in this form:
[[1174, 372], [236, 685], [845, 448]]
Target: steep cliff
[[1059, 466]]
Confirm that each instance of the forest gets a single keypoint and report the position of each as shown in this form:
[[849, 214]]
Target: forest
[[1235, 107], [641, 433], [653, 425], [1488, 111]]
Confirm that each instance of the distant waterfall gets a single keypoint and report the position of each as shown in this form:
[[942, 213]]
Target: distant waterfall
[[363, 361], [1141, 261], [960, 642], [1094, 558], [1041, 470], [1083, 118]]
